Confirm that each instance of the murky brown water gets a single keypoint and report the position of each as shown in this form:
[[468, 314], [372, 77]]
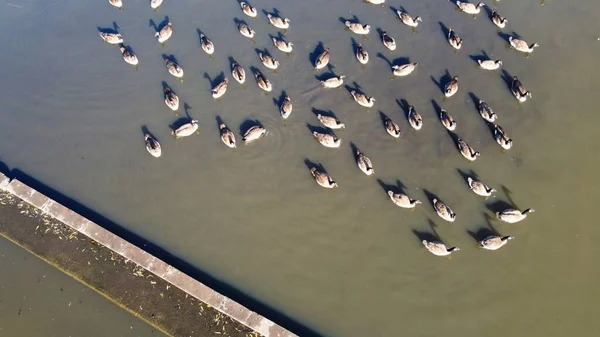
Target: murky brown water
[[343, 262]]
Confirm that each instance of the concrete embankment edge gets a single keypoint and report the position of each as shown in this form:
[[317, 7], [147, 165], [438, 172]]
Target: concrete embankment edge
[[145, 260]]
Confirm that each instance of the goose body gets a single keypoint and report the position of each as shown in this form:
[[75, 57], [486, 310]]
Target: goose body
[[388, 41], [286, 107], [263, 82], [479, 188], [116, 3], [466, 150], [454, 40], [278, 22], [362, 99], [447, 120], [513, 215], [469, 8], [414, 118], [153, 146], [521, 45], [327, 139], [248, 9], [154, 4], [408, 20], [486, 112], [358, 28], [254, 133], [333, 82], [405, 69], [238, 73], [498, 20], [493, 242], [403, 200], [220, 89], [282, 45], [227, 136], [322, 178], [392, 128], [364, 163], [207, 45], [164, 33], [519, 91], [451, 87], [375, 2], [171, 99], [443, 211], [174, 68], [112, 38], [489, 64], [502, 138], [128, 55], [245, 30], [438, 248], [361, 54], [268, 61], [186, 129], [323, 59], [331, 122]]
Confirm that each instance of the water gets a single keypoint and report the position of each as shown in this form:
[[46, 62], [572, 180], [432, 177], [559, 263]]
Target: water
[[343, 262], [39, 300]]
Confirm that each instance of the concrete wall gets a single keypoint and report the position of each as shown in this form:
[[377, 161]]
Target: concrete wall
[[156, 266]]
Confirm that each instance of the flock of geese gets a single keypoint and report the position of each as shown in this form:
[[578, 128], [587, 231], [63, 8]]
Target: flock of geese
[[327, 139]]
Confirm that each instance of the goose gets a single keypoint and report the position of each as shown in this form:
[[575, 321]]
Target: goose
[[155, 4], [513, 215], [333, 82], [375, 2], [521, 45], [364, 163], [451, 87], [186, 129], [286, 107], [248, 9], [407, 19], [466, 150], [112, 38], [405, 69], [454, 40], [128, 55], [323, 59], [362, 99], [438, 248], [171, 99], [327, 139], [443, 210], [220, 89], [489, 64], [263, 82], [174, 68], [493, 242], [207, 45], [282, 45], [447, 120], [361, 54], [388, 41], [164, 33], [470, 8], [152, 145], [331, 122], [227, 136], [414, 118], [238, 73], [358, 28], [479, 188], [278, 21], [403, 200], [486, 112], [268, 61], [322, 178], [254, 133], [246, 31], [502, 138], [498, 20], [392, 128], [116, 3], [519, 91]]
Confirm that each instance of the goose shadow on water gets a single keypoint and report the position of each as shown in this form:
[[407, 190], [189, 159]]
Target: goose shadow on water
[[396, 61], [483, 232], [232, 61], [404, 105], [279, 36], [113, 30], [454, 137], [353, 19], [219, 121], [200, 35], [441, 84], [475, 100], [355, 87], [327, 113], [505, 36], [312, 56], [319, 129], [247, 124], [445, 30], [430, 196], [499, 205], [146, 131], [508, 79], [309, 164], [216, 80], [325, 76], [480, 57], [278, 101], [383, 117], [355, 150], [508, 193], [428, 235], [171, 58], [161, 25], [156, 250], [274, 12], [398, 188], [186, 109], [437, 109], [466, 175]]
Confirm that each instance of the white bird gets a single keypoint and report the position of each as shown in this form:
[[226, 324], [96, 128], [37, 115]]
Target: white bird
[[364, 163], [513, 215], [405, 69], [403, 200], [480, 188], [322, 178], [248, 9], [186, 129], [438, 248], [362, 99], [278, 22], [521, 45], [443, 210], [164, 33], [494, 242], [254, 133], [154, 4], [152, 145]]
